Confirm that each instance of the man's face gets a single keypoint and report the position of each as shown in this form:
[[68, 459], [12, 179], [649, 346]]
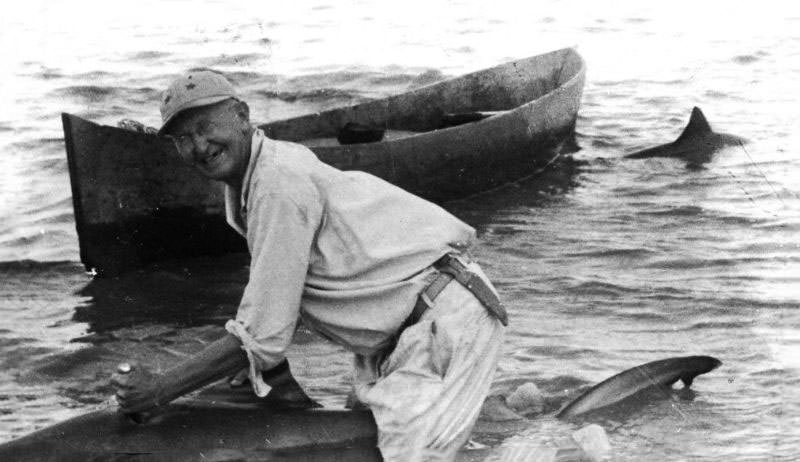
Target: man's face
[[215, 139]]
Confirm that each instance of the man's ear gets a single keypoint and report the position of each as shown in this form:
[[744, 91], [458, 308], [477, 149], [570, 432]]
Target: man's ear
[[243, 111]]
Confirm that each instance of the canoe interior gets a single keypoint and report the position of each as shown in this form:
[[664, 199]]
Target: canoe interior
[[136, 203], [497, 89]]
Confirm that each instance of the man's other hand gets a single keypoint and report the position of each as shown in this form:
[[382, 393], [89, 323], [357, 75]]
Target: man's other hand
[[137, 389]]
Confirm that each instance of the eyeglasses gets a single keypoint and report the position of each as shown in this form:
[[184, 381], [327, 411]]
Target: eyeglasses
[[185, 144], [204, 128]]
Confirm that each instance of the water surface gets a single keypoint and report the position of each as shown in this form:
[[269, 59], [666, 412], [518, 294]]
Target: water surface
[[604, 262]]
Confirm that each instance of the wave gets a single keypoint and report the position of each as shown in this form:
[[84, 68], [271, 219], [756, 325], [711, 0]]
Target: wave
[[693, 211], [679, 211], [249, 78], [645, 316], [47, 73], [663, 297], [719, 325], [559, 352], [53, 217], [99, 93], [769, 373], [55, 206], [613, 253], [88, 92], [599, 288], [716, 94], [749, 303], [790, 224], [633, 83], [38, 266], [320, 94], [696, 263], [563, 382], [749, 58], [147, 55], [51, 242], [234, 59], [92, 75], [607, 142], [38, 143], [663, 101]]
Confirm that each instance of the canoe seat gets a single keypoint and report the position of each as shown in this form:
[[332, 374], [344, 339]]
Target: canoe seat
[[354, 132]]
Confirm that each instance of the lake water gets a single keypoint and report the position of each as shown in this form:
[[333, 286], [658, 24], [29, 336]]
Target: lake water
[[604, 262]]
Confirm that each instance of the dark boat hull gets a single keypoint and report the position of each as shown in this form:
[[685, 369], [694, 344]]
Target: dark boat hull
[[136, 203]]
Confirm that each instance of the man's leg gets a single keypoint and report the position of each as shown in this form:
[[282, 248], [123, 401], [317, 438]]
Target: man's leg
[[433, 384]]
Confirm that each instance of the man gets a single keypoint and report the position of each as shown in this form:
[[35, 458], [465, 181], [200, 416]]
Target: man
[[363, 263]]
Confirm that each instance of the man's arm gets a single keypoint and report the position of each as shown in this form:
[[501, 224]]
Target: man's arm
[[140, 390]]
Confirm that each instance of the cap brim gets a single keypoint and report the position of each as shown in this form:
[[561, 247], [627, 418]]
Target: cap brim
[[207, 101]]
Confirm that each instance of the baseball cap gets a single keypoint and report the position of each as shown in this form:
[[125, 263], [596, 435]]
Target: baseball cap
[[195, 89]]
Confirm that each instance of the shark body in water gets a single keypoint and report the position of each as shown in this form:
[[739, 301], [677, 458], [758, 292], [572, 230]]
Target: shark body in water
[[214, 429], [696, 144], [664, 372]]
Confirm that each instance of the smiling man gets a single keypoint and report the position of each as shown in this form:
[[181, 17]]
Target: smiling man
[[363, 263]]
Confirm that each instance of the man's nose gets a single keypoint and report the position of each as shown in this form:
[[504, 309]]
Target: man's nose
[[200, 145]]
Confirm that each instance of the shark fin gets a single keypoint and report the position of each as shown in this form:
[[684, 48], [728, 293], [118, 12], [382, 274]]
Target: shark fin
[[663, 372], [697, 126]]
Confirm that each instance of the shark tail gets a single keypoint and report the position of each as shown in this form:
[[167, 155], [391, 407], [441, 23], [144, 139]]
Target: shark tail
[[664, 372]]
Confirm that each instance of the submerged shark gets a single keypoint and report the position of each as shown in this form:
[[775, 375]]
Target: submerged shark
[[206, 428], [697, 144], [662, 373]]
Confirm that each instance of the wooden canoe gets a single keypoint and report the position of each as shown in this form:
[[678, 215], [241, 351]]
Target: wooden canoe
[[136, 203]]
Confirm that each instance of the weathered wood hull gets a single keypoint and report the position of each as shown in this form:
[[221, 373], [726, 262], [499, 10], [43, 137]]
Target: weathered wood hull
[[136, 202]]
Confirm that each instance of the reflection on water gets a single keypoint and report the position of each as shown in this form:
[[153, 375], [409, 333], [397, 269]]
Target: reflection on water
[[184, 293]]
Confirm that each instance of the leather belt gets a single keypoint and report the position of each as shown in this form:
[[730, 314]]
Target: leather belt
[[451, 267]]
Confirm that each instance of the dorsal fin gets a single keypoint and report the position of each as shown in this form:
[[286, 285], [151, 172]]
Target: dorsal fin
[[698, 125]]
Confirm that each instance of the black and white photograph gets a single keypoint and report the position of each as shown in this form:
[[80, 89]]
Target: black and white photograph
[[417, 231]]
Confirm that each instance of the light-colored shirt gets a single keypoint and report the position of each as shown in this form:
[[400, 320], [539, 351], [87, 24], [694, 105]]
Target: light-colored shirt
[[346, 252]]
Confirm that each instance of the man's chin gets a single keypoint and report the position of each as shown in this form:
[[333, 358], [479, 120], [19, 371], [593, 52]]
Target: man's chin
[[212, 174]]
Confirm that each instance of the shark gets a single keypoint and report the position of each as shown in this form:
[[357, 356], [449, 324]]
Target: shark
[[210, 427], [696, 144], [661, 373]]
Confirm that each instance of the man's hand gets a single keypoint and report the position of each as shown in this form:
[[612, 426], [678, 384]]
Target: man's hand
[[137, 388], [134, 126]]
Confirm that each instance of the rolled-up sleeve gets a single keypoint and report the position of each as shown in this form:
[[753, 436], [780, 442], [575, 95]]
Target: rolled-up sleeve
[[282, 220]]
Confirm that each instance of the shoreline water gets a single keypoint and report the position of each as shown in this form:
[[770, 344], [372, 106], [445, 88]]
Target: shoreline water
[[617, 263]]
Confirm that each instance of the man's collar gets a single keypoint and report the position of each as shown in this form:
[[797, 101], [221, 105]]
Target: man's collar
[[255, 149], [236, 199]]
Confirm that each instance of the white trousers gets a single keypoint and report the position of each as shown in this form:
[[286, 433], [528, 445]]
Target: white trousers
[[432, 386]]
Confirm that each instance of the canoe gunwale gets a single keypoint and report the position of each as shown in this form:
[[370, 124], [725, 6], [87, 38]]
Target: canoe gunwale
[[352, 113]]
